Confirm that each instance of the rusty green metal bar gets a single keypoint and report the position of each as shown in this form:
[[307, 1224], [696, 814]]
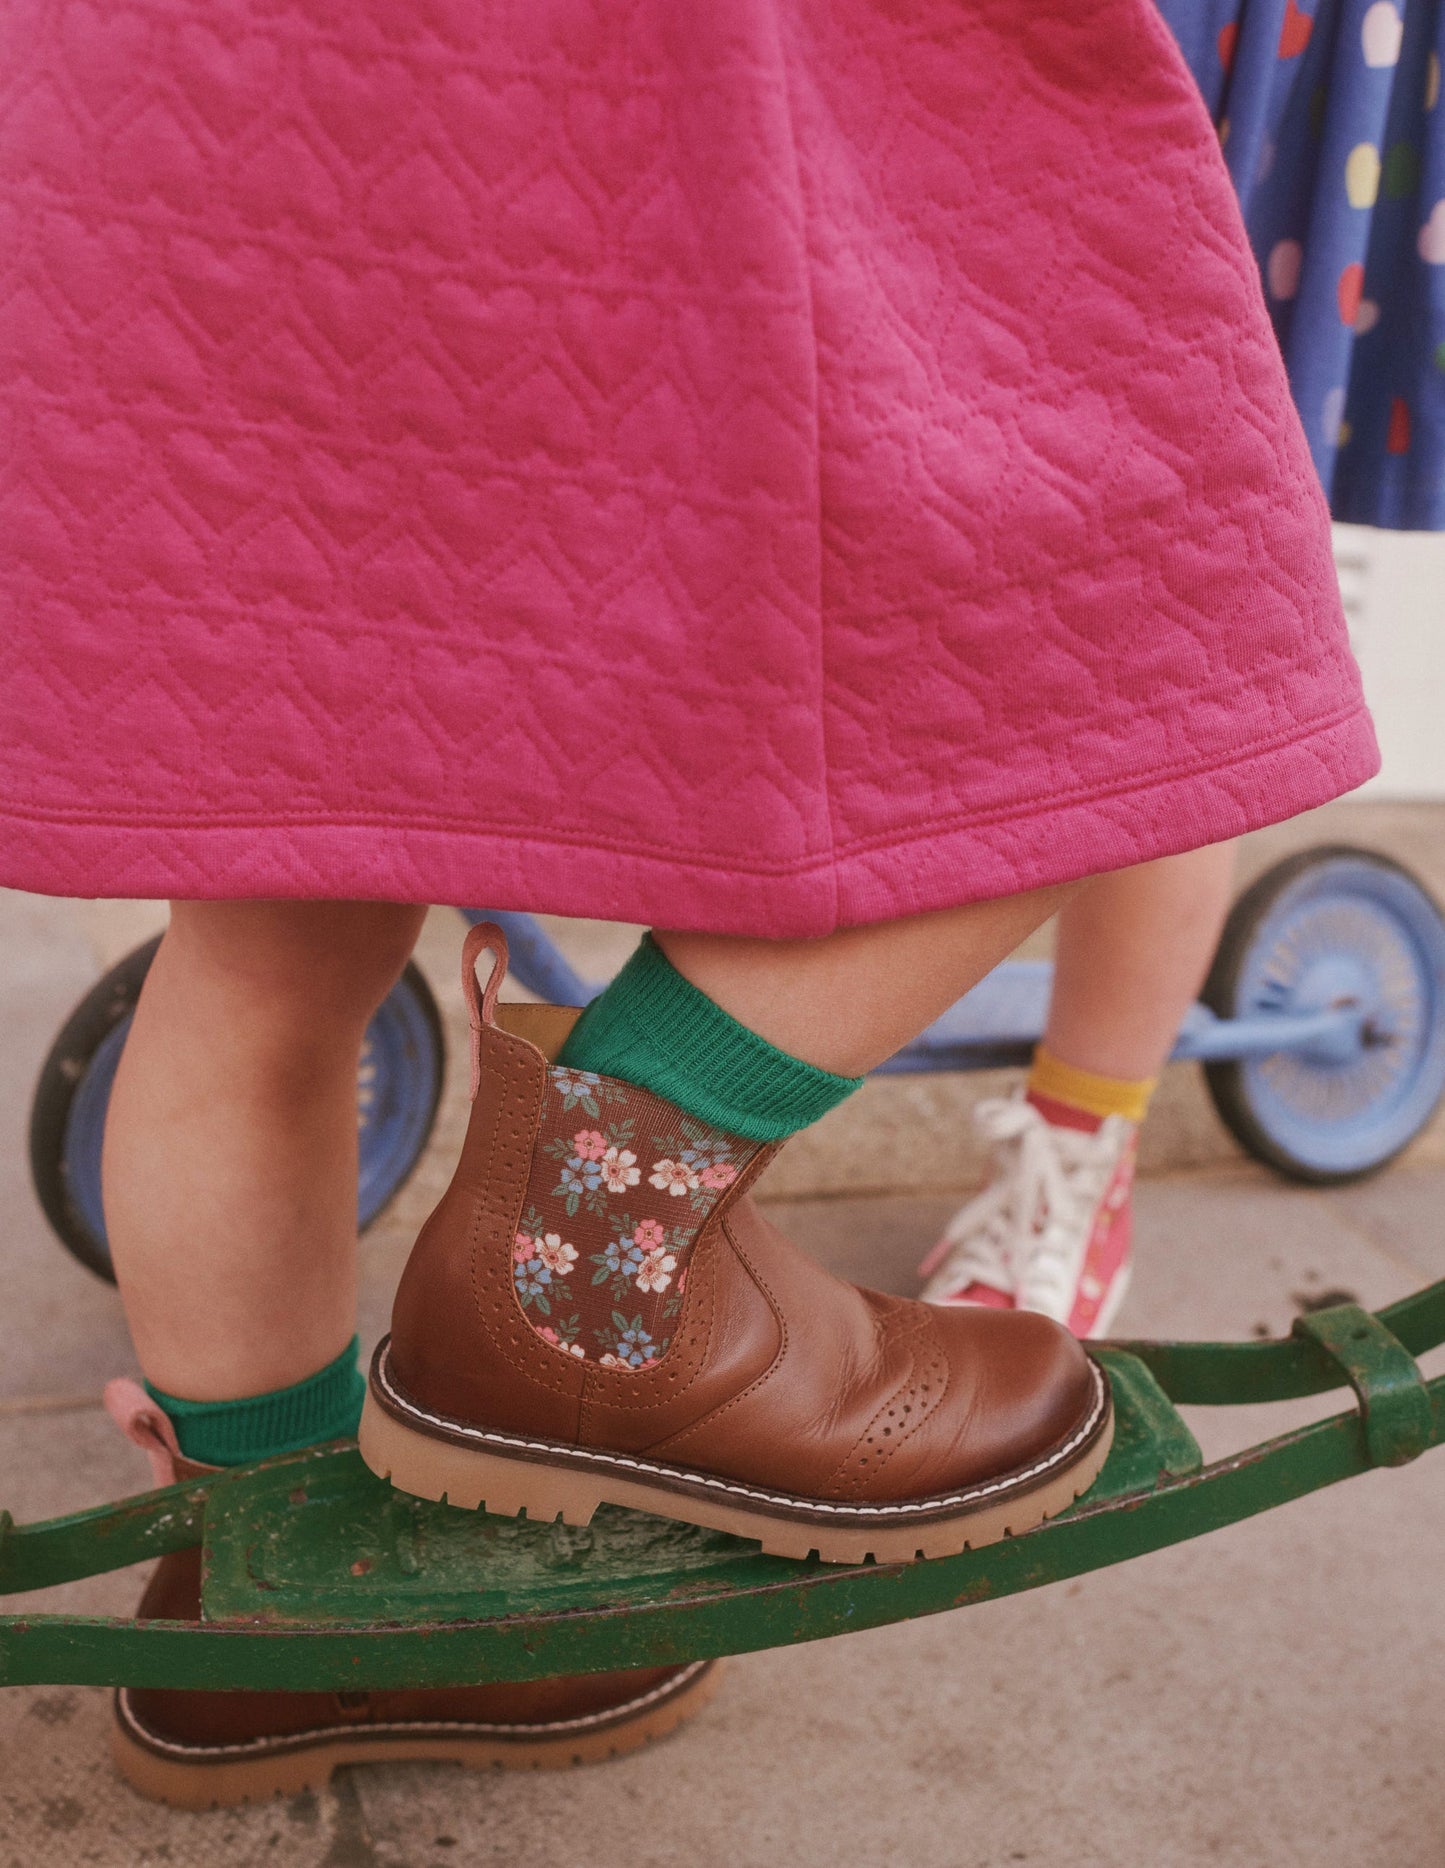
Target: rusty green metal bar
[[1397, 1417], [317, 1575], [107, 1537], [1231, 1374]]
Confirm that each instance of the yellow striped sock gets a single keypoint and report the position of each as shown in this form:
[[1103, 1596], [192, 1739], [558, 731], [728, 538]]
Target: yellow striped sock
[[1082, 1089]]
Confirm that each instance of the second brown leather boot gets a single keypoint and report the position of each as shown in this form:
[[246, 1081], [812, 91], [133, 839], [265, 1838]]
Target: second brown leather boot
[[202, 1748], [597, 1312]]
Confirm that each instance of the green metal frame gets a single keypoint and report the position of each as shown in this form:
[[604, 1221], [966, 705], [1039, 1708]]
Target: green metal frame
[[317, 1575]]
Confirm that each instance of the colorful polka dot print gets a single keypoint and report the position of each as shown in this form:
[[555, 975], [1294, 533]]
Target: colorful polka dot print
[[1336, 145]]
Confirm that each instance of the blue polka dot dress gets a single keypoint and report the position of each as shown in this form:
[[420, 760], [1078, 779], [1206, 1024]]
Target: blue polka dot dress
[[1333, 130]]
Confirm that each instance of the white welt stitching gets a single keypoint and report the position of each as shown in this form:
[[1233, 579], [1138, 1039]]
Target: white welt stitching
[[648, 1467], [416, 1728]]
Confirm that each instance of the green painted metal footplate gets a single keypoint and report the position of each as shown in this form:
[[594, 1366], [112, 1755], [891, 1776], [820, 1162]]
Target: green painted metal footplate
[[320, 1577], [319, 1539]]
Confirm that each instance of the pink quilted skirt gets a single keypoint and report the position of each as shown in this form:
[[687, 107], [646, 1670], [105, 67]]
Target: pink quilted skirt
[[757, 466]]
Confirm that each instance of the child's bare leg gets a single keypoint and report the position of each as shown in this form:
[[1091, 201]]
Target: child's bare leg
[[230, 1148], [1133, 949], [846, 1002]]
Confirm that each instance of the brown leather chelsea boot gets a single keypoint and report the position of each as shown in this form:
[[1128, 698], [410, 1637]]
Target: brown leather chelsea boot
[[597, 1312], [200, 1749], [203, 1750]]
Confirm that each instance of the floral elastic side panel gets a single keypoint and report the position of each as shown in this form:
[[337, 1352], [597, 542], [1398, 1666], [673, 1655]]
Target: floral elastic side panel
[[621, 1184]]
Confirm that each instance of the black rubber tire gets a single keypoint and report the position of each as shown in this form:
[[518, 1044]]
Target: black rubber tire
[[109, 1001], [1225, 1080], [98, 1013]]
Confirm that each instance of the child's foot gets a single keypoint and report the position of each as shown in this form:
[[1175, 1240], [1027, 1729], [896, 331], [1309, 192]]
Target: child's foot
[[1050, 1232], [597, 1313]]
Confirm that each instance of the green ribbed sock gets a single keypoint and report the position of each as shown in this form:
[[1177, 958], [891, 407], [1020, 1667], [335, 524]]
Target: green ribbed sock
[[326, 1406], [656, 1029]]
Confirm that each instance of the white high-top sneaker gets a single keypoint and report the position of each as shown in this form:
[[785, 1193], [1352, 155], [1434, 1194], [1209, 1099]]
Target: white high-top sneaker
[[1050, 1230]]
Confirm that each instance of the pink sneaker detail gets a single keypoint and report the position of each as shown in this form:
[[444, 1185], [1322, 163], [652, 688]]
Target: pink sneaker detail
[[1060, 1115], [1050, 1231], [1104, 1273]]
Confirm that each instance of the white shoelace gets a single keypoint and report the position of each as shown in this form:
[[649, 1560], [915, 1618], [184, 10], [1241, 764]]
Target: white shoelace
[[1029, 1228]]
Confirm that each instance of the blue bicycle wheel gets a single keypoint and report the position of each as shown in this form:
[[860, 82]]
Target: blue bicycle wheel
[[399, 1085], [1334, 928]]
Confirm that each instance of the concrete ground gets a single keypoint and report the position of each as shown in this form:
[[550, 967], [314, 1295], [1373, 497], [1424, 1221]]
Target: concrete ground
[[1265, 1696]]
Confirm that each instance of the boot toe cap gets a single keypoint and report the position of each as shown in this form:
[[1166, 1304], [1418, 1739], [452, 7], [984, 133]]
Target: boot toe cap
[[1029, 1384]]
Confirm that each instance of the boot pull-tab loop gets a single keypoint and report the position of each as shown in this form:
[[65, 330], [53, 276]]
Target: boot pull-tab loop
[[146, 1424], [482, 1000]]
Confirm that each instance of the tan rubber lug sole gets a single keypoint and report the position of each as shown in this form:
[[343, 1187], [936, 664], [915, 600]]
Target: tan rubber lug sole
[[199, 1783], [474, 1478]]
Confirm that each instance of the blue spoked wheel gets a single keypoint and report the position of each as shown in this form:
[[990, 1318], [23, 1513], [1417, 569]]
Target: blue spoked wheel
[[1334, 928], [398, 1087]]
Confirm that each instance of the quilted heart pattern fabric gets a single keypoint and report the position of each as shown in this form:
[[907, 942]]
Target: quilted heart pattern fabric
[[756, 466]]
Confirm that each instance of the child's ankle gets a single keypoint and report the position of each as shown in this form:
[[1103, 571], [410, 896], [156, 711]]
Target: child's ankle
[[320, 1407], [653, 1028], [1070, 1098]]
